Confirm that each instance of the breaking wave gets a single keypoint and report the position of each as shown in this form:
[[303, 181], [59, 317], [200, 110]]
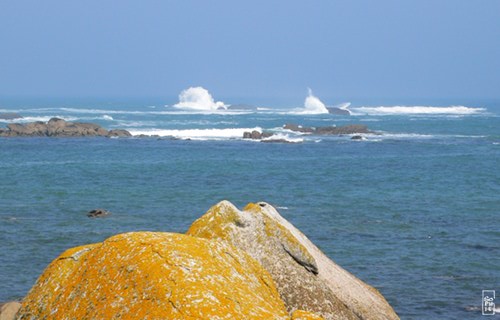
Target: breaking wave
[[416, 110], [283, 137], [312, 104], [198, 98]]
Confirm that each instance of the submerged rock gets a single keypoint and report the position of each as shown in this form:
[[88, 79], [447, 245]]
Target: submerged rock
[[306, 278], [153, 275], [331, 130], [56, 127], [98, 213]]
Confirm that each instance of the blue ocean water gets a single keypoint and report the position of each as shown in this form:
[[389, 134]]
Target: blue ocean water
[[412, 209]]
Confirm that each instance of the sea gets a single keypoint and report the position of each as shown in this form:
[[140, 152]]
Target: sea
[[412, 208]]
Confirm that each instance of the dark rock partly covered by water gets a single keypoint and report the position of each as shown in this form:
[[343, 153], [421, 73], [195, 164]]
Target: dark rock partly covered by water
[[119, 133], [56, 127], [338, 111], [331, 130], [256, 135], [98, 213], [10, 116]]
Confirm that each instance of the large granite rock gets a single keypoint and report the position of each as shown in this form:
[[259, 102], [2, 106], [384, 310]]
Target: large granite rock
[[56, 127], [151, 275], [305, 277]]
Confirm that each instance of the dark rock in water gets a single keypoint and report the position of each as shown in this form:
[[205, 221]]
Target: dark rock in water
[[271, 140], [349, 129], [98, 213], [119, 133], [298, 128], [10, 116], [357, 138], [339, 111], [56, 127], [256, 135]]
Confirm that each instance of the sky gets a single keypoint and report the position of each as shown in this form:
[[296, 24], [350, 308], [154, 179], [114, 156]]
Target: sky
[[342, 50]]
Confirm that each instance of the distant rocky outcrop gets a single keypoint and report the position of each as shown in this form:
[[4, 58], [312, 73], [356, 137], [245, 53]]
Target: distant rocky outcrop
[[10, 116], [154, 275], [56, 127], [304, 276], [331, 130]]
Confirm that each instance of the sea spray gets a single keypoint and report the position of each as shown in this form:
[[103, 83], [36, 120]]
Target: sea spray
[[312, 104], [198, 98]]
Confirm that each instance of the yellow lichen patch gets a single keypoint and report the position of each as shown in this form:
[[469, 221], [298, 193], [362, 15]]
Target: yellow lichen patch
[[221, 217], [49, 286], [305, 315], [146, 275]]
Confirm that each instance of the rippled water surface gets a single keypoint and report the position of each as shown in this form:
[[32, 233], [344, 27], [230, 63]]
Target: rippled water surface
[[413, 209]]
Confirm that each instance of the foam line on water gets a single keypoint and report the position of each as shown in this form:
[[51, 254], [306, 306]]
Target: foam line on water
[[197, 134], [416, 110]]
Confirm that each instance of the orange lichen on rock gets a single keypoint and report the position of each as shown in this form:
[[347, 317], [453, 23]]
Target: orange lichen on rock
[[147, 275], [305, 315]]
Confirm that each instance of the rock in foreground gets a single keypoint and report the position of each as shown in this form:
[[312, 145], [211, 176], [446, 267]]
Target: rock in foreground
[[148, 275], [56, 127], [305, 277]]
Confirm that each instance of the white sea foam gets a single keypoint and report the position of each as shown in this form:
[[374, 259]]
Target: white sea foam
[[197, 134], [416, 110], [106, 117], [283, 137], [198, 98], [343, 106]]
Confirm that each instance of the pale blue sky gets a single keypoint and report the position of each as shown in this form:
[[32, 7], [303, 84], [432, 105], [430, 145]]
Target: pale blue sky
[[343, 50]]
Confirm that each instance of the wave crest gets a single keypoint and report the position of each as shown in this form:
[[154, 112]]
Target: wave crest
[[198, 98], [313, 105]]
